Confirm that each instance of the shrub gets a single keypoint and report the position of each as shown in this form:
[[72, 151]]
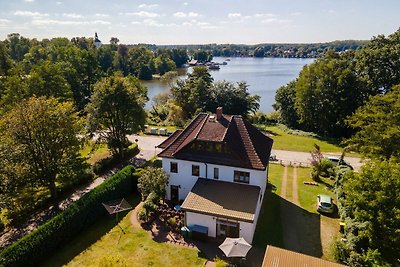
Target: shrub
[[172, 222], [142, 215], [34, 247], [149, 206]]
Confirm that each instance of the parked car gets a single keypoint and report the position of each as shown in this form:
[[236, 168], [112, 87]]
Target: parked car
[[337, 161], [325, 204], [272, 156]]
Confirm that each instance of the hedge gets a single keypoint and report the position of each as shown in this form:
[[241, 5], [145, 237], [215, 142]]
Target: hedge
[[36, 246]]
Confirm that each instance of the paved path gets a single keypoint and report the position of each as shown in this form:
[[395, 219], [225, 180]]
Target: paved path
[[147, 145]]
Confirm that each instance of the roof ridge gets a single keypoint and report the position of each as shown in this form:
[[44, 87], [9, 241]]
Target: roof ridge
[[227, 128], [204, 122], [244, 133], [199, 116], [184, 131]]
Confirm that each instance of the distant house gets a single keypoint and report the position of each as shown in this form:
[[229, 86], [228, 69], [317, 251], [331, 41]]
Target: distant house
[[278, 257], [218, 167], [193, 62]]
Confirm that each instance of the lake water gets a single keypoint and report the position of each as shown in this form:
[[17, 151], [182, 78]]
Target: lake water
[[263, 75]]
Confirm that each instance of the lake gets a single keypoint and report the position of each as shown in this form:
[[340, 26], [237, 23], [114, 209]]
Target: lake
[[263, 75]]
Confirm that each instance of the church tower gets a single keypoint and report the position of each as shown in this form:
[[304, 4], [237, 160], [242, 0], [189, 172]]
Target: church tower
[[97, 42]]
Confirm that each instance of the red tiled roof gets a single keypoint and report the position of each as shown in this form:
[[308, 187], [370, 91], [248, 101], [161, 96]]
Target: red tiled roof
[[170, 139], [278, 257], [247, 146]]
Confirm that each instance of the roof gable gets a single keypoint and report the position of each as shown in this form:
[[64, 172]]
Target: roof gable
[[245, 145]]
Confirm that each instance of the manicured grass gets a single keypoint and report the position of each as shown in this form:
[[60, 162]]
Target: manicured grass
[[308, 193], [94, 154], [269, 225], [105, 245], [286, 141], [275, 173]]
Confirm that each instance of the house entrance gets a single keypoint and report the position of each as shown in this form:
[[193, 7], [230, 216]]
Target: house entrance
[[227, 229], [174, 193]]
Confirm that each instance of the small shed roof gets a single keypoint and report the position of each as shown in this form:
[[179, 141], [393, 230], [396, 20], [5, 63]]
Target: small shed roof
[[278, 257], [223, 199]]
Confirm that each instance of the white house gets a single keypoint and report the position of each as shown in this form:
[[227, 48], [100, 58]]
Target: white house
[[218, 167]]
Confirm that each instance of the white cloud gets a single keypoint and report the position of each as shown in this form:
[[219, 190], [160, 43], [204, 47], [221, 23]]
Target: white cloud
[[72, 15], [101, 15], [146, 6], [41, 22], [152, 22], [234, 15], [136, 22], [29, 14], [186, 3], [265, 15], [58, 3], [143, 14], [5, 21], [295, 13], [185, 15], [29, 1]]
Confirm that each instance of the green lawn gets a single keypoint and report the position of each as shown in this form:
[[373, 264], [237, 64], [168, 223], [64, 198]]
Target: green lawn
[[286, 141], [104, 245], [308, 193], [94, 155], [269, 226]]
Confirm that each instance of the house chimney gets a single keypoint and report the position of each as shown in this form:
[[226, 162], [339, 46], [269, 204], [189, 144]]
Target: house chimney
[[219, 113]]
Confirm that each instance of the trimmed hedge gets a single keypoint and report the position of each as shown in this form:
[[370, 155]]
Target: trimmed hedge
[[36, 246]]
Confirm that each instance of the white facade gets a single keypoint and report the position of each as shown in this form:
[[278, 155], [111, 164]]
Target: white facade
[[185, 180], [246, 229]]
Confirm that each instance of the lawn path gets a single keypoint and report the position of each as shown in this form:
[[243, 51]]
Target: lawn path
[[295, 194], [284, 182]]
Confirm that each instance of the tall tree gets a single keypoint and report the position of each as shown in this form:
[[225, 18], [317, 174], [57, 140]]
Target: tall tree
[[116, 109], [47, 79], [378, 63], [377, 125], [234, 98], [328, 91], [372, 203], [42, 134], [285, 99]]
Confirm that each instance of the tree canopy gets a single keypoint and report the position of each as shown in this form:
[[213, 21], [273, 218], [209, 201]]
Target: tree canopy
[[372, 206], [40, 140], [377, 126], [116, 109]]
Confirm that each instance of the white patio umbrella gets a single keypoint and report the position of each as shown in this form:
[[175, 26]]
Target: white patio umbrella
[[235, 247]]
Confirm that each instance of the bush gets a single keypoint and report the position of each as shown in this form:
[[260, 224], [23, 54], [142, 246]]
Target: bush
[[33, 248], [149, 206], [107, 163], [142, 215]]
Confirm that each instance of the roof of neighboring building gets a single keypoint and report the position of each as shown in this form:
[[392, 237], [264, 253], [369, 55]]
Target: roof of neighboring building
[[278, 257], [247, 147], [224, 199]]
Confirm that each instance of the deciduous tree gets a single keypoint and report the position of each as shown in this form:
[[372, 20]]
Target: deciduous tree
[[42, 137], [116, 109]]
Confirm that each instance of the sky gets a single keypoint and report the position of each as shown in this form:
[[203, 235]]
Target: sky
[[201, 21]]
